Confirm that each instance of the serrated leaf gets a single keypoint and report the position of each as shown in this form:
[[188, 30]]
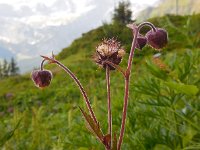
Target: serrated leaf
[[92, 125], [183, 88], [114, 144]]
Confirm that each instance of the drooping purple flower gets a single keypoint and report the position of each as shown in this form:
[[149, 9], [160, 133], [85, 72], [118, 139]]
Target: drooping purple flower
[[109, 50], [41, 78], [157, 39], [141, 42]]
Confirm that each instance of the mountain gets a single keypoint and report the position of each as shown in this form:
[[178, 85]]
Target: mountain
[[185, 7], [32, 30]]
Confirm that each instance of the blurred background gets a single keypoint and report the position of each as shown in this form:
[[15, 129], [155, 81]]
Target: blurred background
[[164, 103], [30, 28]]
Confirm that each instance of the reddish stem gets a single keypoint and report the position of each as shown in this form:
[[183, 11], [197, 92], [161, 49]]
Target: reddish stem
[[116, 67], [146, 24], [127, 79], [124, 113], [42, 64], [80, 87], [109, 103]]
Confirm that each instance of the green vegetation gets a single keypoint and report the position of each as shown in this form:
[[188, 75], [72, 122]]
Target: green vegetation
[[164, 106], [8, 69]]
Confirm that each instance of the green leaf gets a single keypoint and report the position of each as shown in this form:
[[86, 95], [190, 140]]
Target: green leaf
[[9, 134], [183, 88], [160, 146], [189, 135], [93, 126], [156, 71], [83, 148]]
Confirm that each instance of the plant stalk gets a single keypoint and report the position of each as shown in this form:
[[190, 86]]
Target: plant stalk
[[147, 24], [42, 64], [124, 113], [80, 87], [109, 103], [127, 79], [116, 67]]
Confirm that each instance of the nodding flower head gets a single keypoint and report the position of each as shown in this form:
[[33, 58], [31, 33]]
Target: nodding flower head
[[41, 78], [109, 50], [141, 42], [157, 39]]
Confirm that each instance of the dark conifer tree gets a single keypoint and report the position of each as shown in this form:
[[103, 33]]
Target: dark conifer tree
[[5, 68], [14, 70], [123, 13]]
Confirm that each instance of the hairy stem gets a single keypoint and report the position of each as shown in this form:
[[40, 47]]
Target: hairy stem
[[42, 64], [109, 103], [146, 24], [116, 67], [136, 30], [124, 113], [127, 79], [80, 87]]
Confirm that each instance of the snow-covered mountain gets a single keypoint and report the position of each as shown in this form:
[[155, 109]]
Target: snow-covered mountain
[[162, 7], [39, 27]]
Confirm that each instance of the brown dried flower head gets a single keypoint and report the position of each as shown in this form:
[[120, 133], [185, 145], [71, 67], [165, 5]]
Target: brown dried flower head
[[109, 50]]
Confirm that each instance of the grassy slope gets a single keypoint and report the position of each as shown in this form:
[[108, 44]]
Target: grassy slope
[[50, 117]]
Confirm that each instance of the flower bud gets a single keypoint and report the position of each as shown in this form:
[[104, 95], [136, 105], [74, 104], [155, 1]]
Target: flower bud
[[41, 78], [157, 39], [141, 42]]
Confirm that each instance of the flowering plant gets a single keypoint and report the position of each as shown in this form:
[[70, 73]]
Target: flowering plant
[[108, 56]]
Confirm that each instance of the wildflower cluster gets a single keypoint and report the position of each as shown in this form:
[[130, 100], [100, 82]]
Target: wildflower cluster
[[108, 55]]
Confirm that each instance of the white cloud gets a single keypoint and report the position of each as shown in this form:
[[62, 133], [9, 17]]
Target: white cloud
[[21, 56], [53, 19], [18, 3], [5, 39], [39, 13]]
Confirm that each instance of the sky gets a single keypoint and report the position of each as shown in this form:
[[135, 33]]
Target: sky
[[30, 28]]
